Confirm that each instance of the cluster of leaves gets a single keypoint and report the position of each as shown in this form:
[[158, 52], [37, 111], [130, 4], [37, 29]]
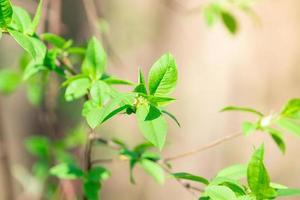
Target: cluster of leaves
[[218, 10], [83, 73], [48, 53], [275, 124], [140, 155], [91, 179], [228, 183], [48, 152]]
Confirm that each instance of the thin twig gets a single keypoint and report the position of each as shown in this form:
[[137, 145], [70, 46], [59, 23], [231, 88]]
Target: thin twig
[[191, 189], [204, 148]]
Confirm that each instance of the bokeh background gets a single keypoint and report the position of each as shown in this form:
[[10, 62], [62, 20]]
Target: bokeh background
[[258, 67]]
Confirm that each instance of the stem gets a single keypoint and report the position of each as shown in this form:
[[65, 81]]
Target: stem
[[4, 160], [204, 148]]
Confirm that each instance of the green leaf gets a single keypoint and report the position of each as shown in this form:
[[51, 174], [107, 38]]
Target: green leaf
[[289, 124], [160, 101], [235, 172], [9, 81], [37, 17], [6, 13], [277, 138], [94, 63], [54, 40], [249, 127], [229, 22], [91, 190], [97, 174], [187, 176], [95, 115], [288, 192], [21, 20], [234, 185], [35, 88], [163, 76], [114, 112], [141, 87], [32, 45], [258, 177], [246, 197], [216, 192], [32, 69], [154, 170], [38, 146], [211, 13], [76, 137], [77, 88], [291, 109], [171, 116], [66, 171], [100, 92], [153, 113], [116, 81], [155, 131], [242, 109]]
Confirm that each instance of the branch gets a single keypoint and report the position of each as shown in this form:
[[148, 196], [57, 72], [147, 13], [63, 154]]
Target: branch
[[190, 188], [4, 160], [204, 148]]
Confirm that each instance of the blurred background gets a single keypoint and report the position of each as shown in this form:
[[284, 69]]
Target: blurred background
[[257, 67]]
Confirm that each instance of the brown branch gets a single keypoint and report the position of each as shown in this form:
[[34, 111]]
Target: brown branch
[[4, 160], [190, 188], [204, 148], [187, 186]]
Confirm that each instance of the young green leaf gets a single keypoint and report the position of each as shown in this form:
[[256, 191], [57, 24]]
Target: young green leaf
[[97, 174], [249, 127], [37, 17], [155, 131], [242, 109], [288, 192], [153, 113], [187, 176], [141, 87], [54, 40], [154, 170], [66, 171], [229, 21], [211, 13], [237, 188], [235, 172], [6, 13], [38, 146], [21, 20], [112, 80], [77, 88], [95, 115], [289, 124], [94, 63], [91, 190], [32, 45], [100, 92], [9, 81], [163, 76], [277, 138], [217, 192], [160, 101], [258, 177], [291, 109]]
